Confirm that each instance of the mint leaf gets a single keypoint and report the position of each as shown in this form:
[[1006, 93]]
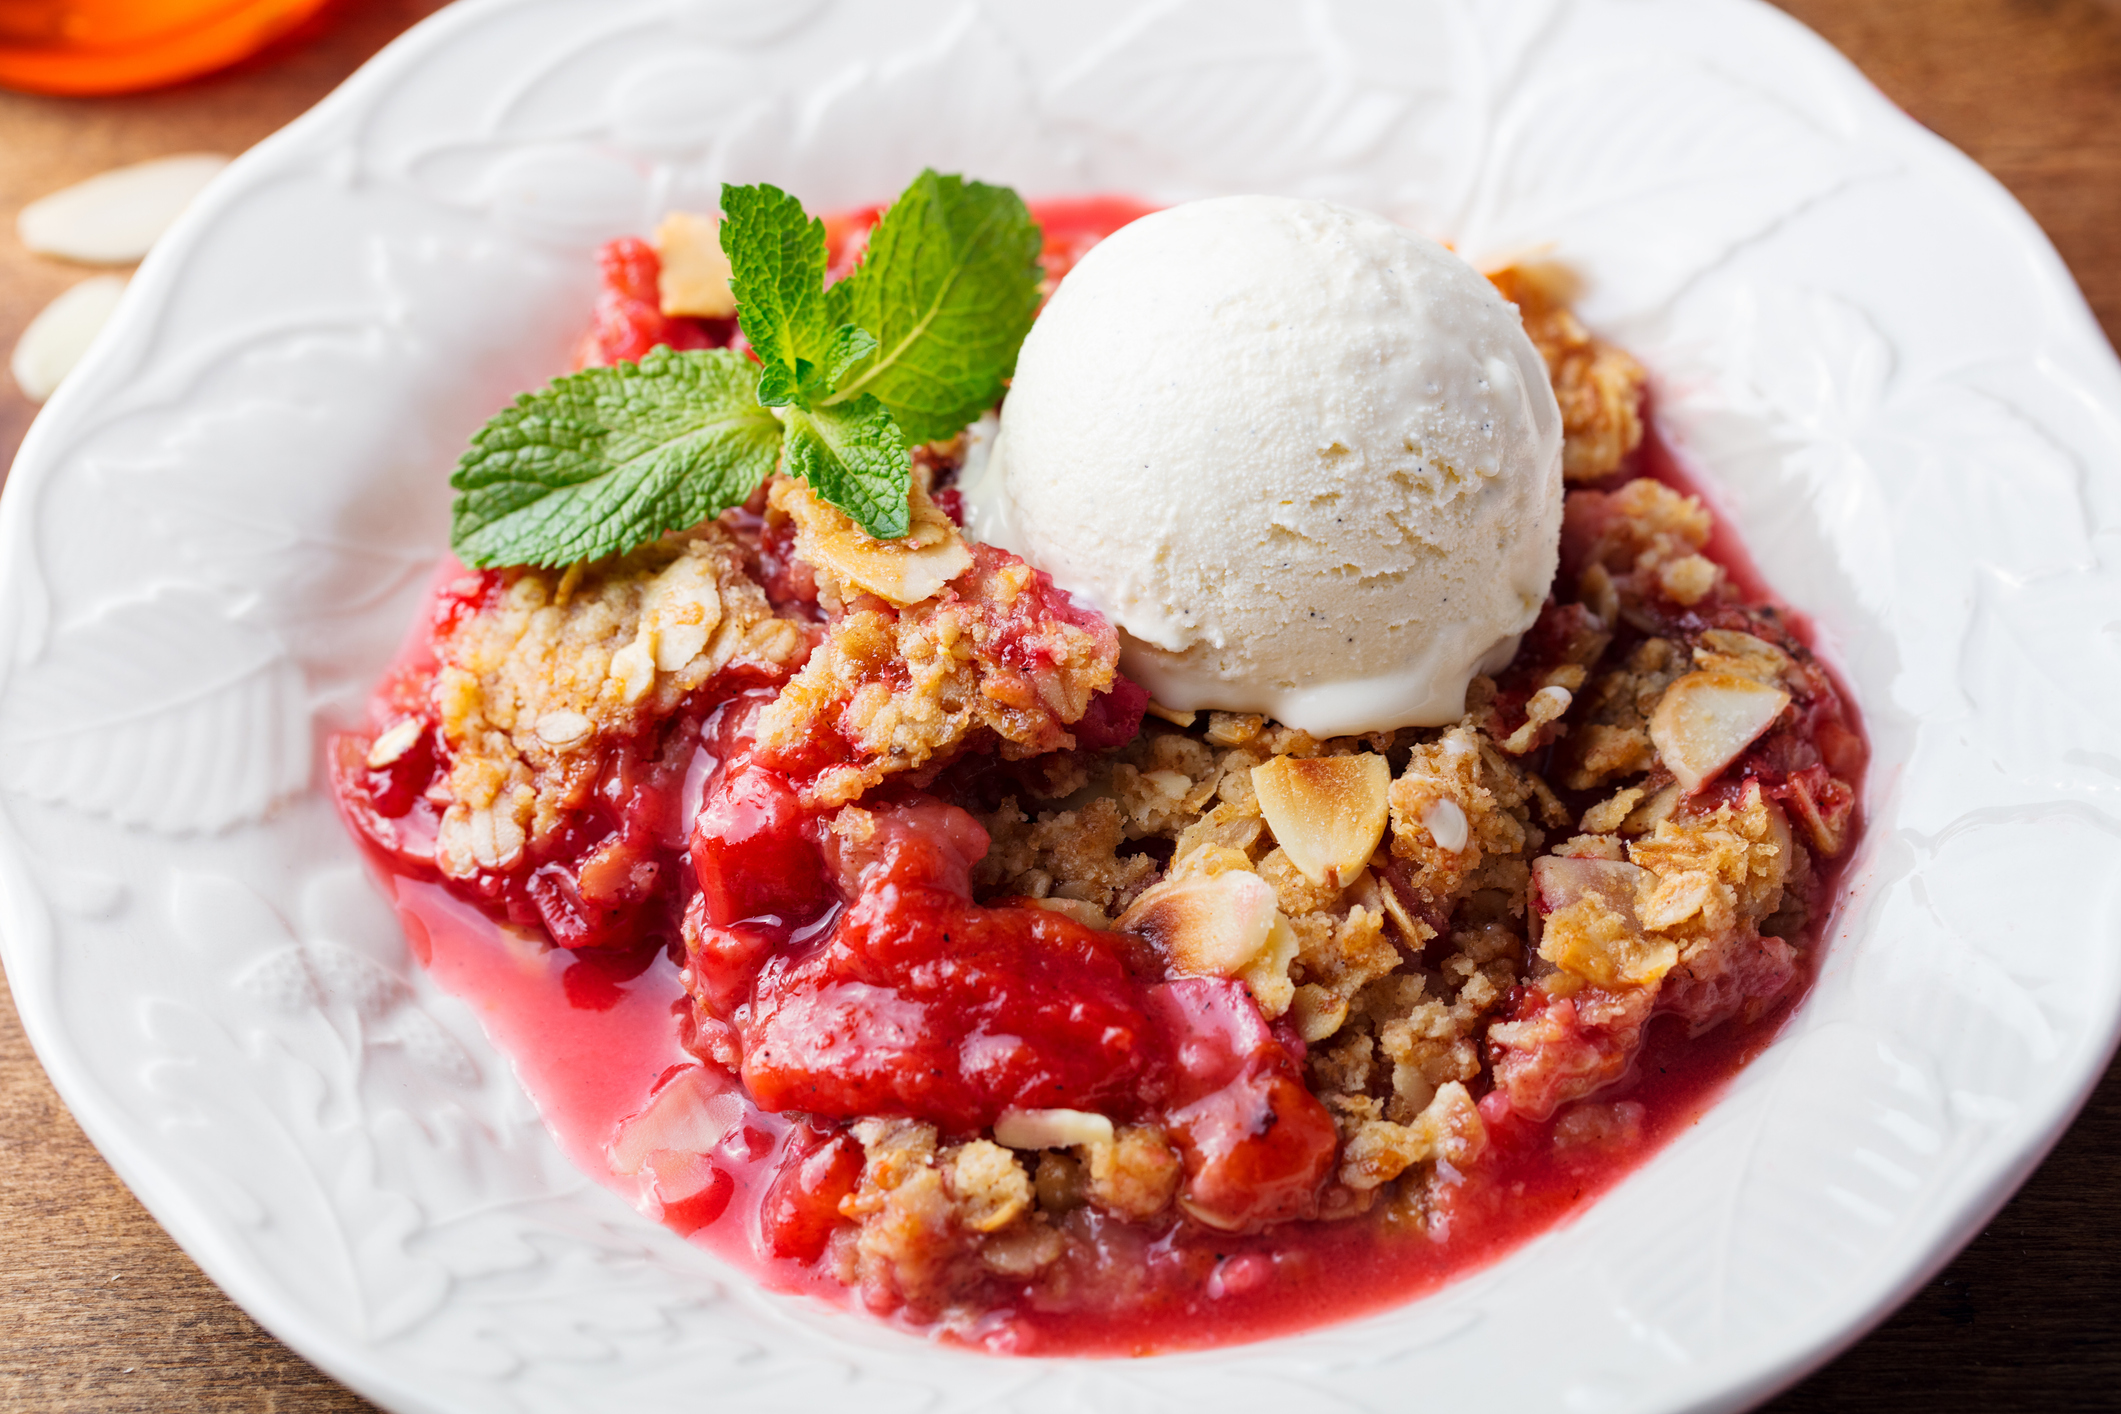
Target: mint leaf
[[854, 455], [850, 345], [948, 287], [777, 273], [609, 458]]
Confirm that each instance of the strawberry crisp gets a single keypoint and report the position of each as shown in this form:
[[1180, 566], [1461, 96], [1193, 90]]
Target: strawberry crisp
[[914, 956]]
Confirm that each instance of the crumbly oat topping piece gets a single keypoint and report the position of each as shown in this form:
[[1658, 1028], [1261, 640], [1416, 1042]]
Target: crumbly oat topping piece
[[1638, 545], [1134, 1175], [933, 1221], [1066, 854], [1449, 1128], [1598, 385], [1463, 818], [532, 687], [995, 652], [1610, 738]]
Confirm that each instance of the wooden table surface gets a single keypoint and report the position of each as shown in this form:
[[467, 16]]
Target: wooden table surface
[[99, 1310]]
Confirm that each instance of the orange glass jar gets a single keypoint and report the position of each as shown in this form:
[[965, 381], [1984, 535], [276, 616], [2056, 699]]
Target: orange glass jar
[[119, 46]]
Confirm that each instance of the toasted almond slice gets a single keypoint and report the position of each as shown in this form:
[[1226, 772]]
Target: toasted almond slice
[[113, 218], [394, 742], [1445, 820], [1207, 925], [1172, 715], [1266, 977], [61, 333], [690, 1115], [1706, 719], [1587, 924], [1051, 1129], [1317, 1011], [904, 571], [562, 728], [1326, 812], [1561, 880], [1644, 818], [695, 278]]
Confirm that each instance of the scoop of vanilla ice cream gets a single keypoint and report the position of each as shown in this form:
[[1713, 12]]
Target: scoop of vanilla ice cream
[[1305, 460]]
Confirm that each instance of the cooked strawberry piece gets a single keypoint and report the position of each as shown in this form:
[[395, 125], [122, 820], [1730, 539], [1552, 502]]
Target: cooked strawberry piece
[[751, 854], [1114, 716], [1556, 1049], [925, 1004], [802, 1203], [1255, 1142]]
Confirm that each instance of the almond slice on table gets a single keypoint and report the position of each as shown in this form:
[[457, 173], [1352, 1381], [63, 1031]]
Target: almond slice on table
[[695, 278], [113, 218], [1706, 719], [60, 335], [1327, 812]]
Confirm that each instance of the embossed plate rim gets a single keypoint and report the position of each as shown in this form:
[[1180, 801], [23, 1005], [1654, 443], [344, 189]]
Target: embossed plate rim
[[144, 1157]]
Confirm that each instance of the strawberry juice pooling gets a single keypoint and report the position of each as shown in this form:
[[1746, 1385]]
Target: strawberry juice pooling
[[723, 988]]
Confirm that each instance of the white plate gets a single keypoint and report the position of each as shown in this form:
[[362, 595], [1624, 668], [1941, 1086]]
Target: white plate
[[220, 527]]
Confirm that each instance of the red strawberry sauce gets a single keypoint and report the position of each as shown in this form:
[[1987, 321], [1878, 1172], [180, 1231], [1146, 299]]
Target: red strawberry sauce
[[853, 977]]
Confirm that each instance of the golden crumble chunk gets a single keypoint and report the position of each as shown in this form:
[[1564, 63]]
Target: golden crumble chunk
[[1598, 385], [531, 688]]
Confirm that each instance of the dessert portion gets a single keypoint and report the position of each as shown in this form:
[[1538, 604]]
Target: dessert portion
[[1305, 460], [861, 914]]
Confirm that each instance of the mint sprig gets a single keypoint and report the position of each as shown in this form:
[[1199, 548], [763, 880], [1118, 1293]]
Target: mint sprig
[[949, 289], [609, 458], [910, 348]]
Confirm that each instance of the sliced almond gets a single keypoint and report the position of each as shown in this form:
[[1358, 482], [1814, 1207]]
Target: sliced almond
[[1266, 977], [394, 742], [904, 571], [695, 278], [61, 334], [1561, 880], [562, 729], [1051, 1129], [1706, 719], [690, 1115], [1645, 817], [1207, 925], [113, 218], [1588, 926], [1445, 820], [1327, 812], [1670, 900]]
